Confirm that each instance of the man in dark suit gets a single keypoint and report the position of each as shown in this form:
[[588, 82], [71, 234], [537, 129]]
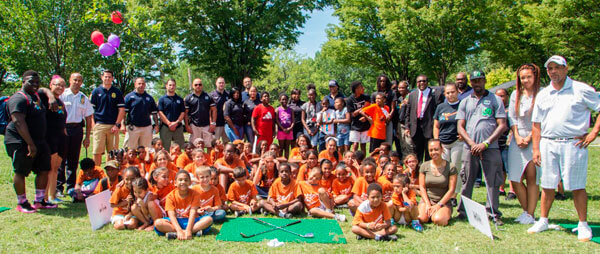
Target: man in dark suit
[[419, 116]]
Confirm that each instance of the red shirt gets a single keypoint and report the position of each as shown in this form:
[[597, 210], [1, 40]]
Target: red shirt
[[264, 120]]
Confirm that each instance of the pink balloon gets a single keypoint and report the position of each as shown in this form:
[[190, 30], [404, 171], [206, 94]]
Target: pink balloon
[[107, 49], [116, 17], [97, 38], [114, 40]]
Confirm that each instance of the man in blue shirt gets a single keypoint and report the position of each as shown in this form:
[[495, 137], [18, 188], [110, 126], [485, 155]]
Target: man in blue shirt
[[139, 105], [200, 114], [171, 111], [109, 111], [220, 96], [462, 83]]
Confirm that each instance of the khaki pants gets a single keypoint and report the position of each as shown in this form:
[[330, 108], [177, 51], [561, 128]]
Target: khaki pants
[[138, 136], [104, 139], [201, 132]]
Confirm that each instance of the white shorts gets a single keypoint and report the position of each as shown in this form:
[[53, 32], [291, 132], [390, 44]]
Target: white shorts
[[115, 218], [359, 137], [563, 160]]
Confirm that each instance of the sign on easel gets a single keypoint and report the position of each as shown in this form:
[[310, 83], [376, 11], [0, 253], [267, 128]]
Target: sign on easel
[[477, 216], [99, 210]]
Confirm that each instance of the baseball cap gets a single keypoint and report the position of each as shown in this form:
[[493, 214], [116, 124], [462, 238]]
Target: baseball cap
[[333, 83], [112, 164], [556, 59], [477, 74]]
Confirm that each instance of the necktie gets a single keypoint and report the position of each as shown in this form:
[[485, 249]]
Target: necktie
[[419, 105]]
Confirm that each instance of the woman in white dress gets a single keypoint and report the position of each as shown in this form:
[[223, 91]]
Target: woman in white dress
[[520, 164]]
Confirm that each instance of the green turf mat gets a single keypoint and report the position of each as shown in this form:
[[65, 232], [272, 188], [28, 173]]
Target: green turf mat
[[595, 230], [325, 231], [2, 209]]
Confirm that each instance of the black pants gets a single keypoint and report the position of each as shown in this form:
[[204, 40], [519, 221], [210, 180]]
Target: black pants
[[375, 143], [67, 173], [420, 142]]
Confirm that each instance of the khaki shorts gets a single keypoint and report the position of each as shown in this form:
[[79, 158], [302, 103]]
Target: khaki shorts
[[201, 132], [103, 139], [138, 136]]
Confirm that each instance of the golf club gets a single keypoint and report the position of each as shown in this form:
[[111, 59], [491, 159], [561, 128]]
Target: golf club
[[307, 235], [269, 230], [489, 198]]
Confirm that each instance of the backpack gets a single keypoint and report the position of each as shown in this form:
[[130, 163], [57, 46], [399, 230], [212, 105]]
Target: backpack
[[104, 182], [5, 117]]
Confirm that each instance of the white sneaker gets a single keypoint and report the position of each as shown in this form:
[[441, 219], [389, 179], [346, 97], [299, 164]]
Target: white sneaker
[[584, 233], [527, 219], [340, 217], [521, 217], [539, 226]]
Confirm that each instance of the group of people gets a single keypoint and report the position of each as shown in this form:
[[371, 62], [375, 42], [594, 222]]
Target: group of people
[[446, 139]]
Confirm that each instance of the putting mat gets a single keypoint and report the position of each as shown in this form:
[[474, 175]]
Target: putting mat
[[324, 231], [595, 230], [2, 209]]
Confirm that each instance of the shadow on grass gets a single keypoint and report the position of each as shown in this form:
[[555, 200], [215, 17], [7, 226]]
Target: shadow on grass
[[67, 210]]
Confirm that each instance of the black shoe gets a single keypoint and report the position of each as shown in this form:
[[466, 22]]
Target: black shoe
[[359, 237], [498, 221], [502, 193], [171, 236], [461, 216], [199, 233], [453, 202], [560, 196], [510, 196]]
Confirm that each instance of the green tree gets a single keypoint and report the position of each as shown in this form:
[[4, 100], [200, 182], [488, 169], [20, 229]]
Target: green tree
[[231, 38]]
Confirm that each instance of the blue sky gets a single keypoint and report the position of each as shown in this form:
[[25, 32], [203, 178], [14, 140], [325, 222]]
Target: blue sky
[[314, 32]]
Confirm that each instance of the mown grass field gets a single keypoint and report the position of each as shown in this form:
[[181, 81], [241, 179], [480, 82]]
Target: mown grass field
[[67, 229]]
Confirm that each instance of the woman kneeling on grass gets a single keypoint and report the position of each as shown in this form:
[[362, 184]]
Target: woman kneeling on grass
[[437, 180], [372, 218], [182, 205]]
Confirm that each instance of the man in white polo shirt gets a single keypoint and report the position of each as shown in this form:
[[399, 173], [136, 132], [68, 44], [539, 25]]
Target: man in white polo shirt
[[561, 118]]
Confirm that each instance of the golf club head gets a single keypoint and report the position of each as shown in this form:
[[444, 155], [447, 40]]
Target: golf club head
[[244, 235]]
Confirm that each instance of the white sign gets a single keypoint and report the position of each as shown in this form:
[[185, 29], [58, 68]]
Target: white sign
[[99, 210], [477, 216]]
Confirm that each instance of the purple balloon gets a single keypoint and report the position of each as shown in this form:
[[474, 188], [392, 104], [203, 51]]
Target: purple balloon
[[107, 49], [114, 40]]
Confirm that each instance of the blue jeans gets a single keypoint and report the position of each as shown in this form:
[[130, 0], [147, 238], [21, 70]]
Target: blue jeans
[[262, 192], [249, 133], [314, 140], [218, 215], [231, 133]]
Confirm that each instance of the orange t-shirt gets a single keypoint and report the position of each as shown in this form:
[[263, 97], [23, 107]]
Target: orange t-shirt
[[180, 205], [295, 152], [242, 194], [207, 198], [191, 168], [119, 194], [182, 160], [378, 214], [386, 187], [236, 163], [214, 156], [326, 183], [341, 188], [161, 194], [310, 193], [111, 185], [267, 181], [283, 194], [325, 155], [398, 200], [95, 173], [360, 187], [222, 193], [170, 166], [414, 175], [302, 173], [378, 129]]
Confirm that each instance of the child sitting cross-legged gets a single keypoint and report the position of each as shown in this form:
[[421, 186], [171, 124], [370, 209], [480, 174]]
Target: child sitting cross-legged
[[372, 218], [243, 194], [283, 200], [139, 208], [359, 189], [316, 199], [87, 180], [403, 206], [342, 185], [122, 199], [210, 199], [182, 204]]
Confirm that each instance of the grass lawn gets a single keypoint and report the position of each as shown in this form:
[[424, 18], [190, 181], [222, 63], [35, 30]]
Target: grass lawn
[[67, 229]]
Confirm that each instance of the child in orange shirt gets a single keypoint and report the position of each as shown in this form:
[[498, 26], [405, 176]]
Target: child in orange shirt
[[209, 196], [378, 115], [385, 180], [87, 180], [381, 160], [185, 158], [217, 151], [330, 153], [161, 186], [328, 176], [162, 159], [411, 168], [300, 157], [247, 154], [122, 199], [199, 160], [274, 148], [243, 194], [283, 199], [312, 160], [372, 218], [342, 185], [294, 168], [157, 145], [214, 180], [301, 140], [352, 165], [226, 165], [315, 198], [112, 178], [265, 174], [174, 151], [139, 208], [182, 204], [403, 206], [359, 189]]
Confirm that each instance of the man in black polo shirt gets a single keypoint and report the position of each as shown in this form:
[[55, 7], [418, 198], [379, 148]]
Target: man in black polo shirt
[[139, 106], [25, 141], [359, 126], [220, 96], [171, 111], [200, 114], [109, 111]]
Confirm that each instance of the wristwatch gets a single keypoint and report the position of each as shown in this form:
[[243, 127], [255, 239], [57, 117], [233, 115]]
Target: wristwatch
[[213, 123], [118, 125]]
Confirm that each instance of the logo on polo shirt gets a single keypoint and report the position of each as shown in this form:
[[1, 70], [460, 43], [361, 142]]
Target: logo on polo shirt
[[113, 95], [82, 100], [486, 102], [486, 112], [206, 97], [148, 98], [178, 101]]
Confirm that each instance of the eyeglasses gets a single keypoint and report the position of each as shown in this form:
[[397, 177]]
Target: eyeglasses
[[198, 84]]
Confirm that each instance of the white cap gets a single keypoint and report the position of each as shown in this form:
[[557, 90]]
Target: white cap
[[556, 59]]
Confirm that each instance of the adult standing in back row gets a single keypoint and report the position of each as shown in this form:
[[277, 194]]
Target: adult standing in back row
[[109, 111], [220, 96], [359, 126], [200, 114], [171, 111], [139, 106]]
